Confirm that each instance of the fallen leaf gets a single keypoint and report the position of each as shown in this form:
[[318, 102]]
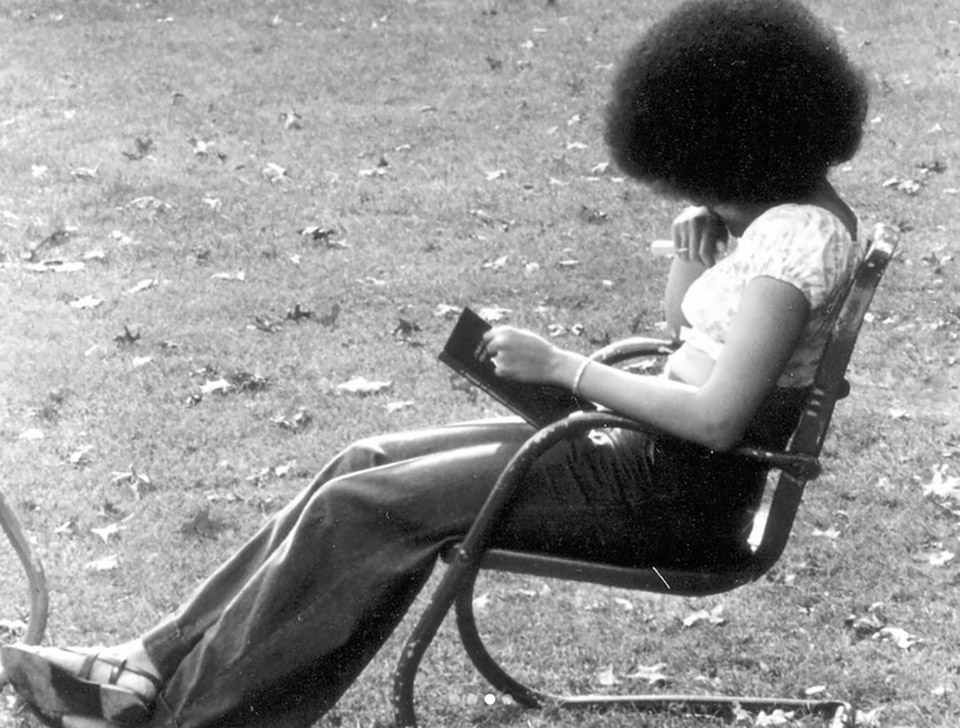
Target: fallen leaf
[[107, 532], [108, 563], [297, 422], [939, 558], [446, 311], [81, 457], [831, 533], [145, 285], [869, 718], [866, 625], [493, 314], [84, 172], [86, 302], [11, 630], [127, 337], [651, 674], [274, 172], [68, 527], [282, 471], [298, 313], [261, 323], [202, 524], [200, 147], [900, 637], [330, 318], [248, 382], [139, 484], [713, 617], [942, 487], [238, 276], [291, 120], [496, 264], [607, 678], [363, 386], [406, 328], [398, 406]]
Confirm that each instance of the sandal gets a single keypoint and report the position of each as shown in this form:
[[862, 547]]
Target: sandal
[[57, 691]]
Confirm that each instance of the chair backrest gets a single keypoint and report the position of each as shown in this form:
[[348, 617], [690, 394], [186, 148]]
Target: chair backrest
[[829, 385], [797, 464]]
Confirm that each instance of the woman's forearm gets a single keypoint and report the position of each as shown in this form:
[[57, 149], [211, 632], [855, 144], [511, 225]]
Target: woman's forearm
[[674, 407]]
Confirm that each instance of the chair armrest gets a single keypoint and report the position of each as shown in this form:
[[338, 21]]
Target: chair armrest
[[633, 348], [801, 467]]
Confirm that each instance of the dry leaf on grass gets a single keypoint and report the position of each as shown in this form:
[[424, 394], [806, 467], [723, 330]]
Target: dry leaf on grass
[[107, 563], [202, 524], [650, 674], [86, 302], [108, 532], [713, 617], [239, 276], [363, 386]]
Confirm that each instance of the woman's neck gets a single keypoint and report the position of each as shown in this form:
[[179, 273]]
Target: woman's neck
[[739, 216]]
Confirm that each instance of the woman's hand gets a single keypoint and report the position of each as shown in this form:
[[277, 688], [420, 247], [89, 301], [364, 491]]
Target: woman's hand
[[524, 356], [699, 236]]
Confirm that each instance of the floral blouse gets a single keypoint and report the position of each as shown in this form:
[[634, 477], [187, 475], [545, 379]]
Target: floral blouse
[[803, 245]]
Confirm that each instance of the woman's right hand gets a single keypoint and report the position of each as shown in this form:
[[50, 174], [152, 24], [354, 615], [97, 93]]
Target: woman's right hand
[[699, 236]]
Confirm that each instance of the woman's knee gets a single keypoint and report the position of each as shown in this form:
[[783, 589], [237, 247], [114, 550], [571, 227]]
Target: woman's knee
[[361, 455]]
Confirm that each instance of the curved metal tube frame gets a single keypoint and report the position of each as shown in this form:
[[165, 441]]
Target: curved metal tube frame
[[36, 578], [797, 466]]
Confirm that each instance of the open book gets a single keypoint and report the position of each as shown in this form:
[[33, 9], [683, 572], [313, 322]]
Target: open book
[[538, 404]]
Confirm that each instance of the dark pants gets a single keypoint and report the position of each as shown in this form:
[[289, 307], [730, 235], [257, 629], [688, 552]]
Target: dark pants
[[279, 631]]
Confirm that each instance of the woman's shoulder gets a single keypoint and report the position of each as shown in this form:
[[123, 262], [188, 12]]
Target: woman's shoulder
[[797, 220], [805, 245]]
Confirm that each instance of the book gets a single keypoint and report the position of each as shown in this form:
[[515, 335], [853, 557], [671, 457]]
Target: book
[[538, 404]]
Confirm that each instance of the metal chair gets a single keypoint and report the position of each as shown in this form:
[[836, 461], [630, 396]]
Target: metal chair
[[797, 464], [36, 578]]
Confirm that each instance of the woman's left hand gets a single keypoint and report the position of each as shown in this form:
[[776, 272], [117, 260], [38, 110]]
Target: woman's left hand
[[522, 355]]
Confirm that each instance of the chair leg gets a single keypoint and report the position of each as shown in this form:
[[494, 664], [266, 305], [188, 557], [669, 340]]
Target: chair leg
[[36, 578], [405, 673], [486, 665]]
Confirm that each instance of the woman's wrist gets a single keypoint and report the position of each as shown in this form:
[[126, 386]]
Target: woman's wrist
[[568, 369]]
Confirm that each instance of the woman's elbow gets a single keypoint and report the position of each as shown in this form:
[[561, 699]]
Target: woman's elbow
[[720, 433]]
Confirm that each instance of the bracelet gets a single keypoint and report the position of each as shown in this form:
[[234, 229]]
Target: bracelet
[[579, 375]]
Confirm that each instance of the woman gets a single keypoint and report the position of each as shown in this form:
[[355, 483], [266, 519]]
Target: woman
[[738, 106]]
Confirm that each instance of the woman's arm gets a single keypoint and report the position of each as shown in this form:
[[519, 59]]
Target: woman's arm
[[764, 333]]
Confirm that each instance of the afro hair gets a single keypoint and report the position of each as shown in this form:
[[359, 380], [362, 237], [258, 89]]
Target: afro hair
[[743, 101]]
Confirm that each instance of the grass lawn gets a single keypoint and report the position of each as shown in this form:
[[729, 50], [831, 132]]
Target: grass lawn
[[213, 214]]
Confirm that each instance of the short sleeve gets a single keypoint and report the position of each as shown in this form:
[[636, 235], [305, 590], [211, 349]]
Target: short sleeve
[[800, 245]]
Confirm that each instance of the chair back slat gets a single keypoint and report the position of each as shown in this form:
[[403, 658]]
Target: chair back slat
[[829, 385]]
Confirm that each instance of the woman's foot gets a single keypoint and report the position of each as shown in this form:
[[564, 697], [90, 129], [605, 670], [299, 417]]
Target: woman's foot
[[119, 685]]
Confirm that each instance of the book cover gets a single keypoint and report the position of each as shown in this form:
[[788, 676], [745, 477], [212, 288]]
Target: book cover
[[538, 404]]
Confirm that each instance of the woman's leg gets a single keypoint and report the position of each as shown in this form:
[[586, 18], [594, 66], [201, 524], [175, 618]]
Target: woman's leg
[[328, 580], [310, 618]]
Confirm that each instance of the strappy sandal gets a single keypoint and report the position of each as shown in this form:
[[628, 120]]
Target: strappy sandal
[[56, 691]]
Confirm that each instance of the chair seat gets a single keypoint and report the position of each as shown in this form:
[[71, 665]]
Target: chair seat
[[689, 581]]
